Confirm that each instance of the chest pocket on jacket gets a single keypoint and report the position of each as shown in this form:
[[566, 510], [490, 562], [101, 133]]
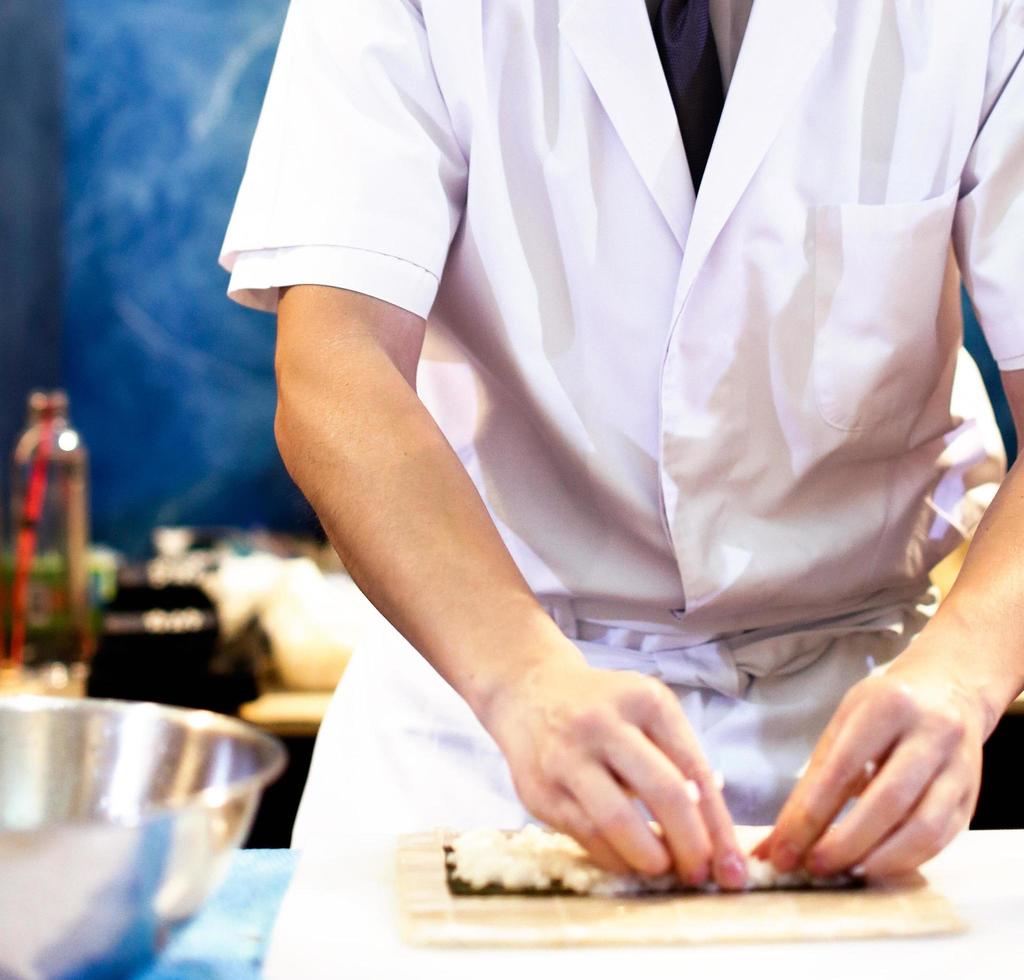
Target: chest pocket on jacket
[[878, 276]]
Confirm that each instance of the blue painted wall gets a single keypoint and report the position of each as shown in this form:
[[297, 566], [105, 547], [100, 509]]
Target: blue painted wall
[[31, 59], [171, 384]]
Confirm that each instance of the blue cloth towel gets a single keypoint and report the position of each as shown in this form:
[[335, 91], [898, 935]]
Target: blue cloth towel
[[229, 937]]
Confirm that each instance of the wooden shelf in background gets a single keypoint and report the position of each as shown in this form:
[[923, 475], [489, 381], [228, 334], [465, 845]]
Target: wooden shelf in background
[[288, 714]]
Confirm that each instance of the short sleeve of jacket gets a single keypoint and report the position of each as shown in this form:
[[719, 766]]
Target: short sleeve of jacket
[[988, 232], [354, 177]]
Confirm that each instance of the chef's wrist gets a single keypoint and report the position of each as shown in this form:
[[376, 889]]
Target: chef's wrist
[[498, 669], [976, 662]]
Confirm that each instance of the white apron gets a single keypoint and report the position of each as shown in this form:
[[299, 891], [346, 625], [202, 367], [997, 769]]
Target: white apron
[[400, 751]]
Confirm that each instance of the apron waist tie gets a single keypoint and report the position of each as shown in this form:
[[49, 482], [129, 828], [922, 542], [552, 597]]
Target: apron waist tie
[[648, 648], [727, 665]]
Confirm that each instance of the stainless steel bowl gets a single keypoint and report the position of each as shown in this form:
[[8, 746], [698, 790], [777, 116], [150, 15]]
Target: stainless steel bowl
[[116, 821]]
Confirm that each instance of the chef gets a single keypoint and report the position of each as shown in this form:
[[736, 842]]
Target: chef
[[619, 352]]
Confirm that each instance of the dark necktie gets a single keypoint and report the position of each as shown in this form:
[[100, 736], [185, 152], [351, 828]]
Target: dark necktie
[[686, 44]]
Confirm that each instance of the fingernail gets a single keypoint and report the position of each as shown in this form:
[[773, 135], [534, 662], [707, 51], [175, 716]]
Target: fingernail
[[719, 781], [859, 871], [692, 791], [785, 857], [732, 870]]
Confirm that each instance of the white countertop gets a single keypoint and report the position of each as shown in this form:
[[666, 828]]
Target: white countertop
[[338, 919]]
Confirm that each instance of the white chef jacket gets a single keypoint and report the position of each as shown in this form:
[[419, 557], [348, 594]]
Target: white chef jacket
[[721, 438], [720, 415]]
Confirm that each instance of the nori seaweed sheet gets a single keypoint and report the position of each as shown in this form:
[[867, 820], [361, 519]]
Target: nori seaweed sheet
[[459, 887]]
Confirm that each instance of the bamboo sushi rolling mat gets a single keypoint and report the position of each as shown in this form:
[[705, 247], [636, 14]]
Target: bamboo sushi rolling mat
[[430, 915]]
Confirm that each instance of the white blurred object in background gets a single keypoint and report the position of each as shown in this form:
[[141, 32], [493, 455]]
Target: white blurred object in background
[[313, 622]]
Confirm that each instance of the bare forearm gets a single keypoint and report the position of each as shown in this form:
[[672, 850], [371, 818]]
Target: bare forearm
[[396, 502], [986, 605], [582, 744]]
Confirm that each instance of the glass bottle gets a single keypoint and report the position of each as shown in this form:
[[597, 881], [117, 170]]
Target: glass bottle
[[50, 638]]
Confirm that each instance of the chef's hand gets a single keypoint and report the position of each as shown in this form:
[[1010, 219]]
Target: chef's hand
[[907, 743], [585, 745]]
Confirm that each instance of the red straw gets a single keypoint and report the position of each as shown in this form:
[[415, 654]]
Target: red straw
[[27, 538]]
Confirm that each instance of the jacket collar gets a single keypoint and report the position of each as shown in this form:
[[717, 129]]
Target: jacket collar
[[613, 43]]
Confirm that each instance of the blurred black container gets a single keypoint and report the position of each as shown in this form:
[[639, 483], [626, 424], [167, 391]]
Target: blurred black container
[[160, 641]]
